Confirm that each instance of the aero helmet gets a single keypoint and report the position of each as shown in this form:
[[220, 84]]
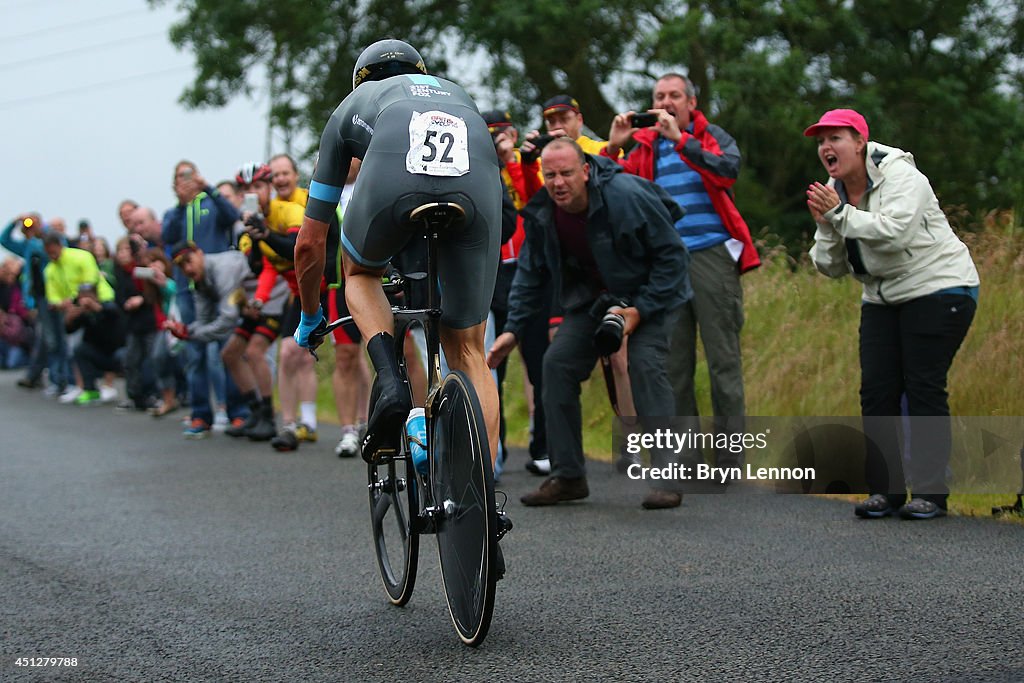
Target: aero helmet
[[385, 58], [251, 172]]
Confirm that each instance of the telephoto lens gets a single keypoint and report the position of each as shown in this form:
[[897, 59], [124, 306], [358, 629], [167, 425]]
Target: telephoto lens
[[608, 337]]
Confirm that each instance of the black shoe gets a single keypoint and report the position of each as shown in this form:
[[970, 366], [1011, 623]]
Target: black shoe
[[264, 429], [27, 383], [240, 430], [875, 507], [919, 508], [285, 440], [389, 412]]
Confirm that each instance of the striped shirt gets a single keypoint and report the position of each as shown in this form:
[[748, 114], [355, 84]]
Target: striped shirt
[[701, 227]]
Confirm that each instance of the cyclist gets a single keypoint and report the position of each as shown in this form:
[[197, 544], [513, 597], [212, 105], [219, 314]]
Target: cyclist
[[421, 139]]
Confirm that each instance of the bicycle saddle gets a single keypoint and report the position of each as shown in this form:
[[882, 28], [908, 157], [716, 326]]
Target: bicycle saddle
[[446, 216]]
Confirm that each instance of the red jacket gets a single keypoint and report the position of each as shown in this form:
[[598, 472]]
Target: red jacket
[[641, 162]]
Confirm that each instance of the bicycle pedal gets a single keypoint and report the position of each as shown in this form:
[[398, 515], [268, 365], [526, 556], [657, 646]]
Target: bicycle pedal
[[504, 524]]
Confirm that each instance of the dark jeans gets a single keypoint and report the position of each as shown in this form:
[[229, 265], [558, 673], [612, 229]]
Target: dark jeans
[[93, 361], [51, 348], [137, 366], [908, 350], [205, 370], [532, 347], [570, 360], [204, 364]]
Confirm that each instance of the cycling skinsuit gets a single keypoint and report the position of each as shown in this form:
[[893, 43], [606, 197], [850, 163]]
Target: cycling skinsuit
[[421, 139]]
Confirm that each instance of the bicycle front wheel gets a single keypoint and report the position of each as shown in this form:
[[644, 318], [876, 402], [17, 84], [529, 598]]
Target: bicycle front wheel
[[394, 504], [463, 487]]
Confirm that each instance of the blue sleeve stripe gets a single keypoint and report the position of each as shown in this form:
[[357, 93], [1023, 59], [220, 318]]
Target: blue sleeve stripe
[[325, 192]]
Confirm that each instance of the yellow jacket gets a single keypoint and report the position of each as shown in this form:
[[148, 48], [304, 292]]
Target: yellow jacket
[[75, 267]]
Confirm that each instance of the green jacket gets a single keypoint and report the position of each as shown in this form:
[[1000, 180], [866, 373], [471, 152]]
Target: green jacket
[[75, 267]]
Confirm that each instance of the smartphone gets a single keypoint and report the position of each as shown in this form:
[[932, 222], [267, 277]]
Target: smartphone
[[251, 203], [643, 120], [186, 174], [142, 273]]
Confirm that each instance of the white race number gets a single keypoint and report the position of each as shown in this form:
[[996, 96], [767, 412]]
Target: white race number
[[438, 145]]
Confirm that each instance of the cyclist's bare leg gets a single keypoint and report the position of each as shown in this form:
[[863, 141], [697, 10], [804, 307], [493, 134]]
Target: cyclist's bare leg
[[366, 299], [464, 350], [372, 313]]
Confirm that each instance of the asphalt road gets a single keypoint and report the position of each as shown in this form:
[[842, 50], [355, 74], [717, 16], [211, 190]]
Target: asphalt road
[[148, 558]]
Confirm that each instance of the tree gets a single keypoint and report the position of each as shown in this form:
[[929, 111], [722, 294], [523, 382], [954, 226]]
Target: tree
[[940, 78]]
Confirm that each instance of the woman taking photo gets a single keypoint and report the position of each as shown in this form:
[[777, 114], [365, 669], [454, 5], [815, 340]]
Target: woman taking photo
[[879, 221]]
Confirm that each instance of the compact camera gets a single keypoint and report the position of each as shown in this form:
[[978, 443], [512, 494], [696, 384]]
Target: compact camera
[[643, 120], [538, 142]]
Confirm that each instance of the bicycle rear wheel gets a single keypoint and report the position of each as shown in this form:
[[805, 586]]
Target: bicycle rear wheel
[[463, 486], [394, 505]]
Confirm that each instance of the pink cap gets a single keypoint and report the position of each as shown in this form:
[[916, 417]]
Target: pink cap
[[840, 118]]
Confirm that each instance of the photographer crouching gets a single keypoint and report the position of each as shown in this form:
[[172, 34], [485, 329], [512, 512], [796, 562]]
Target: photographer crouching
[[597, 232]]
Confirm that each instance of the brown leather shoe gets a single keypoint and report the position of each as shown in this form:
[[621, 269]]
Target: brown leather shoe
[[557, 489], [659, 499]]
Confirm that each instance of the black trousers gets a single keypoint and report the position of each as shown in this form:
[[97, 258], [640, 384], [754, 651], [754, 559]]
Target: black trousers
[[907, 350], [93, 362], [570, 360]]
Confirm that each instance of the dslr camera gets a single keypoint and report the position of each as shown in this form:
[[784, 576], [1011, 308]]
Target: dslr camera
[[538, 142], [609, 333]]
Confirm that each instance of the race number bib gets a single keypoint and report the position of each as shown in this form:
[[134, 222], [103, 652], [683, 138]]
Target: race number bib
[[438, 145]]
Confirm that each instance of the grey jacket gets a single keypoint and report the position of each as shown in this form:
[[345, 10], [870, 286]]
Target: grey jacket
[[217, 302], [631, 230]]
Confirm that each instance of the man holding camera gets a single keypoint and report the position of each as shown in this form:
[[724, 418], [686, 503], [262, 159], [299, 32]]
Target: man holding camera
[[697, 163], [597, 234], [33, 288]]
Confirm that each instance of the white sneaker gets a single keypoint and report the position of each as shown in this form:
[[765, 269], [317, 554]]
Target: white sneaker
[[348, 447], [107, 393], [220, 421], [70, 394], [539, 467], [51, 391]]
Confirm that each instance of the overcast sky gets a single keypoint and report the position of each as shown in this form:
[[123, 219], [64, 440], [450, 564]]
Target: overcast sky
[[89, 112]]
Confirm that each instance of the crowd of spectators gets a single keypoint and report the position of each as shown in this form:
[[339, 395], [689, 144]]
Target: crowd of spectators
[[187, 308], [196, 309]]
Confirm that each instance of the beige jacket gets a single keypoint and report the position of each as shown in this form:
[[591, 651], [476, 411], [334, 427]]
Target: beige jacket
[[905, 244]]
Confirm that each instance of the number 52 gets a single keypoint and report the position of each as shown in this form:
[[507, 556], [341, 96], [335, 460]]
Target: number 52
[[444, 139]]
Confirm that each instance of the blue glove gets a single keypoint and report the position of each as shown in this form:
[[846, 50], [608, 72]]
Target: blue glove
[[306, 333]]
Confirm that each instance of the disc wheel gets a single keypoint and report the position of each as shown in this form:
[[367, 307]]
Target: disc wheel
[[463, 486]]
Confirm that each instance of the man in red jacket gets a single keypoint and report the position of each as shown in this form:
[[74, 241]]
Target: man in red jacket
[[697, 163]]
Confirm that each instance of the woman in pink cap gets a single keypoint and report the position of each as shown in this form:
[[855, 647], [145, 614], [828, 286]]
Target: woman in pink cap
[[879, 221]]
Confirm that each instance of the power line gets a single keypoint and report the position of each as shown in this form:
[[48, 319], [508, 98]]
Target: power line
[[31, 3], [75, 24], [10, 104], [79, 50]]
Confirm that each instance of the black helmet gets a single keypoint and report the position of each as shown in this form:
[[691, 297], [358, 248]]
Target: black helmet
[[385, 58]]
